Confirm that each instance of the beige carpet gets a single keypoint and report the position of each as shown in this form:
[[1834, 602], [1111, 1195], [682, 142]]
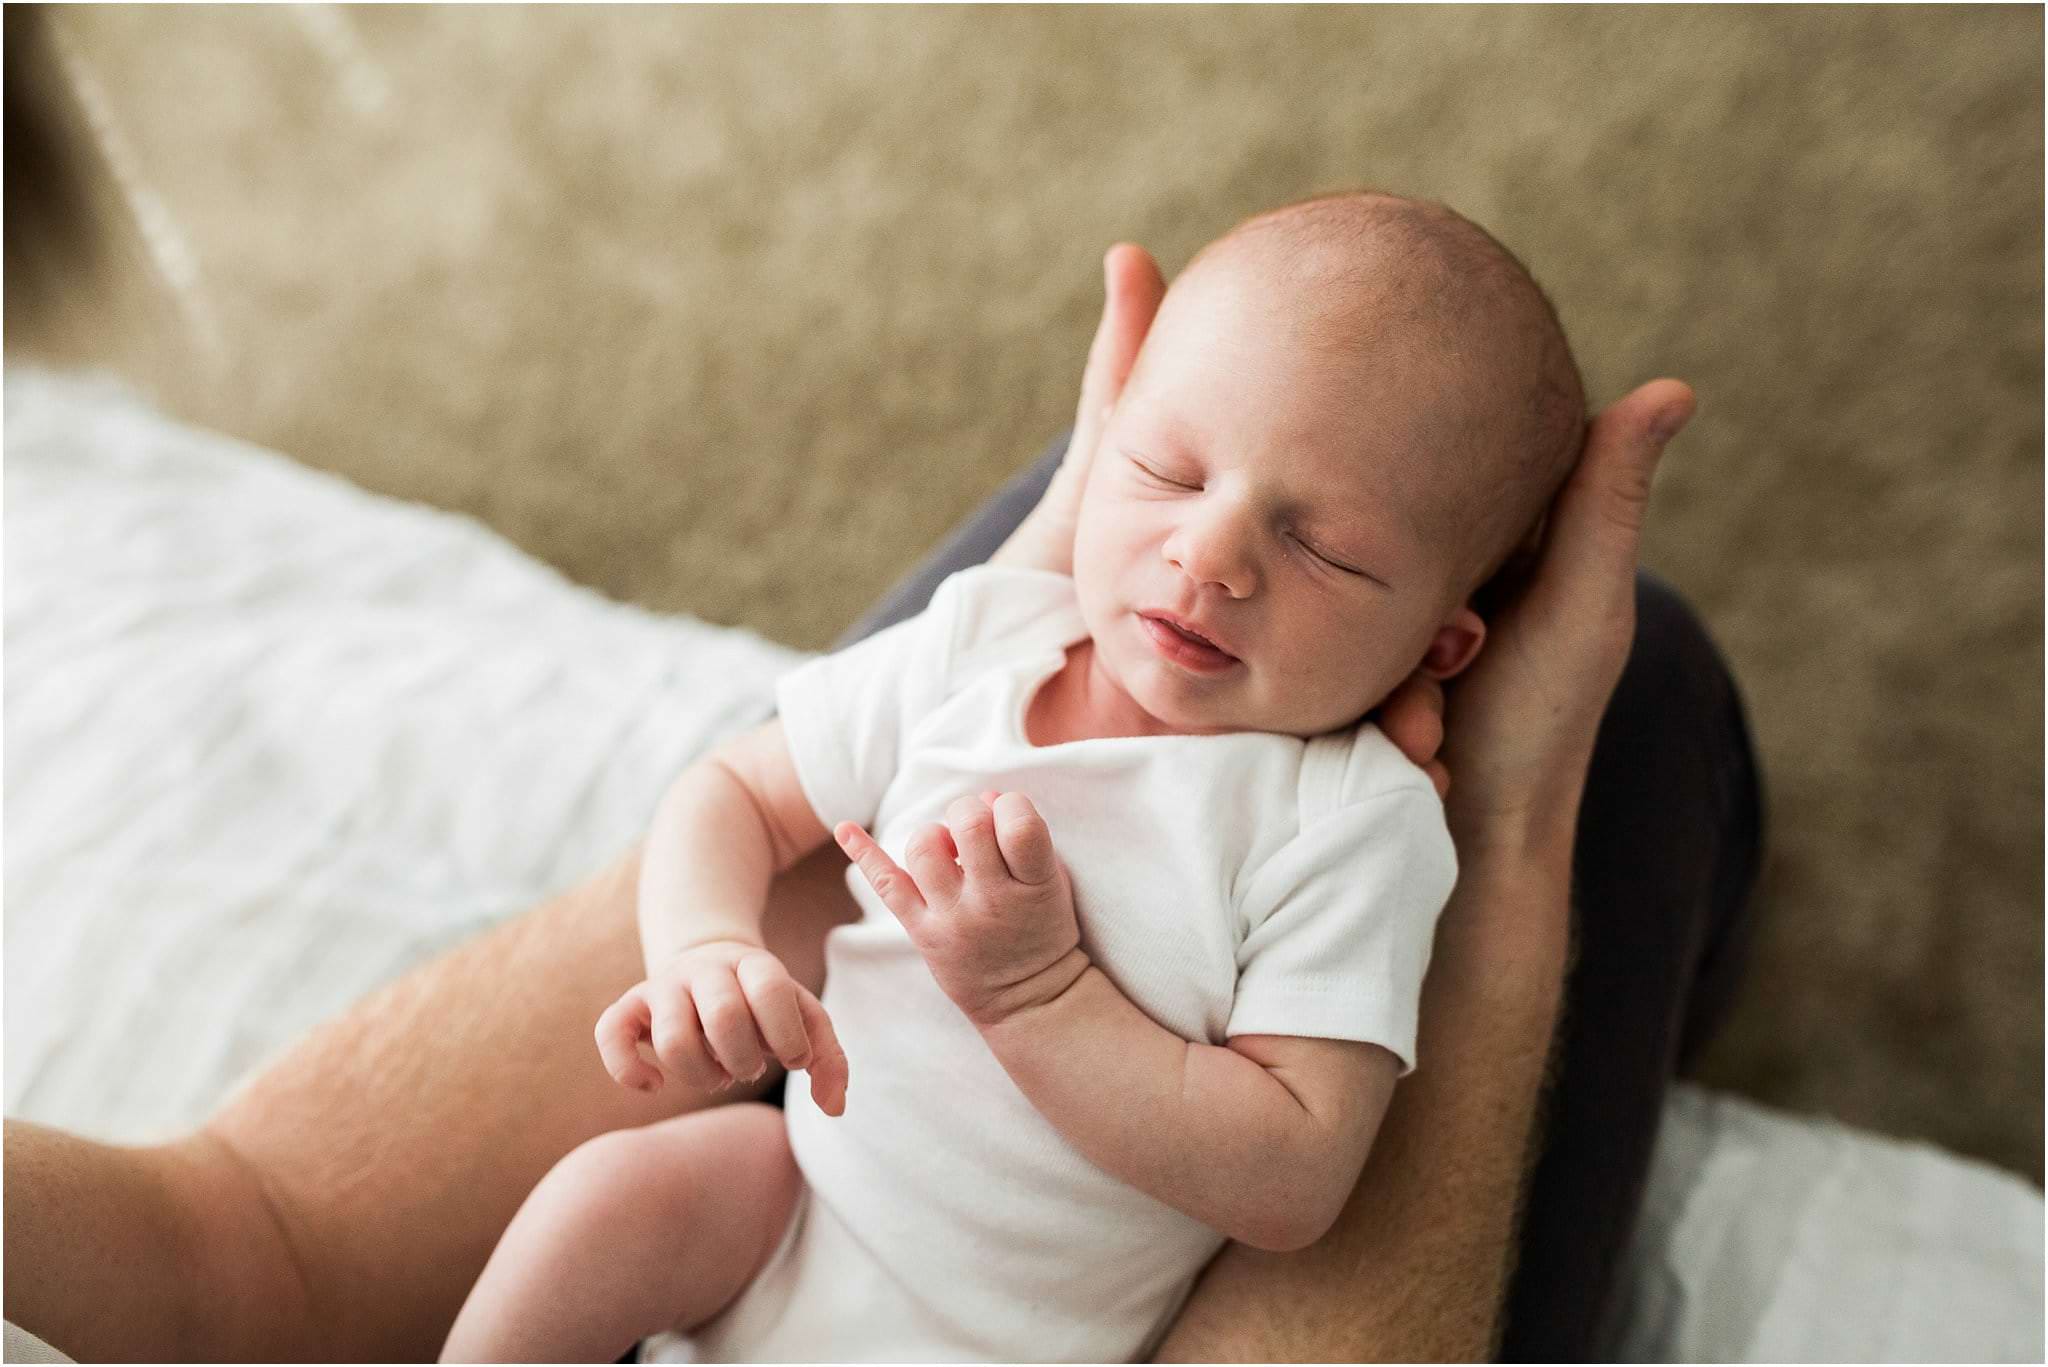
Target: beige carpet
[[734, 311]]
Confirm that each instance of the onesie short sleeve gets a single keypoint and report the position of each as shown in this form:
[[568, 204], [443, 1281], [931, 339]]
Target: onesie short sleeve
[[1341, 920], [849, 714]]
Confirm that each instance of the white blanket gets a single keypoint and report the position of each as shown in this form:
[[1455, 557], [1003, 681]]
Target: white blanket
[[270, 740]]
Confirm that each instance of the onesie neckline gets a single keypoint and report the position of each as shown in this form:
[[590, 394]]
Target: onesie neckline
[[1056, 660]]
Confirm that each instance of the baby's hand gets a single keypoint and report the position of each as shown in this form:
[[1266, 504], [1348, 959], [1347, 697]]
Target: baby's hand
[[998, 929], [715, 1013]]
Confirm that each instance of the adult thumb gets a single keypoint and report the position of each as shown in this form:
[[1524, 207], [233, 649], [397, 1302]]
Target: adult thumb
[[1132, 289], [1599, 514]]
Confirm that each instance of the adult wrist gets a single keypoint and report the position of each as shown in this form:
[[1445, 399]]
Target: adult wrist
[[1511, 910], [1540, 830]]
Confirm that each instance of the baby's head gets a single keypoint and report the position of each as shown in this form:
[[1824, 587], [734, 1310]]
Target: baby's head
[[1346, 415]]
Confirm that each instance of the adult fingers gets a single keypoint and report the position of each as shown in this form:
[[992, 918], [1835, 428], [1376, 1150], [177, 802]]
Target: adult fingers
[[728, 1024], [1597, 520], [771, 996], [896, 888], [1439, 776], [1413, 718], [1131, 290], [1024, 840], [973, 826], [619, 1032], [679, 1040], [827, 1065]]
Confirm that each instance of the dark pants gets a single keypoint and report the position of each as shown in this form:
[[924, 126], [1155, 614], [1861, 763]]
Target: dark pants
[[1668, 845]]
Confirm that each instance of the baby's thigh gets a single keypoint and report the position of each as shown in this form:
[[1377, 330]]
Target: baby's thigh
[[697, 1202]]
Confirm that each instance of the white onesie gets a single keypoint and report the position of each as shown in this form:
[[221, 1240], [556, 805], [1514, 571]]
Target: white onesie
[[1243, 883]]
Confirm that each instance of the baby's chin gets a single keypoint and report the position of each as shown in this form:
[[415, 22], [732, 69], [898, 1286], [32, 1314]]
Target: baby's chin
[[1194, 713], [1151, 686], [1233, 710], [1175, 700]]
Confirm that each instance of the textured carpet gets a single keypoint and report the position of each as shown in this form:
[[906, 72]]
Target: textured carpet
[[735, 311]]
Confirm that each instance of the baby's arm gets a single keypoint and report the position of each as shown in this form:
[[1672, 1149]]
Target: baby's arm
[[1262, 1139], [713, 994], [725, 828]]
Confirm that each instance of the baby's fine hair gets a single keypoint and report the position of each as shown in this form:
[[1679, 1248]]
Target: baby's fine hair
[[1439, 270]]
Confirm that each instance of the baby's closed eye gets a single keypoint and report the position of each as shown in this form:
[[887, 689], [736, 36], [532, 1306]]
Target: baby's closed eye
[[1154, 475]]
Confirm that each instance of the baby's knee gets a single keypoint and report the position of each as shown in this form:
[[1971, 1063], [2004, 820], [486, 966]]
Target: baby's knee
[[668, 1173], [754, 1137]]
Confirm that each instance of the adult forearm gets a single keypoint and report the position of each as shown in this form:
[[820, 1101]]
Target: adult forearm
[[1416, 1267], [1206, 1130], [165, 1253]]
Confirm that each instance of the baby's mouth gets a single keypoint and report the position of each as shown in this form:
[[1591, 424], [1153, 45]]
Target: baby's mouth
[[1185, 646]]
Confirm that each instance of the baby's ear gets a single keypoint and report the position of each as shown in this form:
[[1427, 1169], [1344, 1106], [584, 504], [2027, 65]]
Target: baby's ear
[[1455, 645]]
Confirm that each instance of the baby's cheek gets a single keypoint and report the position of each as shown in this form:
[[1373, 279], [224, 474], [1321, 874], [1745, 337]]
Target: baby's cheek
[[1095, 527], [1095, 569]]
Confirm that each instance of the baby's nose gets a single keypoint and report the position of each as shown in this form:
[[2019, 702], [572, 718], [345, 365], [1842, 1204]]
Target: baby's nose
[[1218, 560]]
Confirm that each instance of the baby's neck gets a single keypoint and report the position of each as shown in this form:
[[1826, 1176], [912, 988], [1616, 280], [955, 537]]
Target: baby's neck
[[1081, 702]]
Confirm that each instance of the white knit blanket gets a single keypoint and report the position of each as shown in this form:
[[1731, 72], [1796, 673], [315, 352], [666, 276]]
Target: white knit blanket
[[270, 740]]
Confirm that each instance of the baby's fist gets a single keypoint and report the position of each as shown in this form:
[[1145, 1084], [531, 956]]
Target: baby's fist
[[721, 1012]]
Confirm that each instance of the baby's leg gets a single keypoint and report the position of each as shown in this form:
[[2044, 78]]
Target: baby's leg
[[635, 1232]]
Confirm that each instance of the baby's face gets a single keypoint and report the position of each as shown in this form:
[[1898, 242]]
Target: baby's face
[[1276, 495]]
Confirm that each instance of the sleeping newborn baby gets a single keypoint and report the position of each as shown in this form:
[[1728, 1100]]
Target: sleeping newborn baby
[[1147, 903]]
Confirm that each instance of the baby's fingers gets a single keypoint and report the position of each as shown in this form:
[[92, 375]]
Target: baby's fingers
[[771, 995], [897, 889], [619, 1032], [679, 1040], [1025, 842], [973, 827], [828, 1061], [729, 1025]]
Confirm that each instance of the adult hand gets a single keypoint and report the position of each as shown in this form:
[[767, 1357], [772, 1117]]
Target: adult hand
[[1132, 291], [1412, 717], [1520, 723]]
